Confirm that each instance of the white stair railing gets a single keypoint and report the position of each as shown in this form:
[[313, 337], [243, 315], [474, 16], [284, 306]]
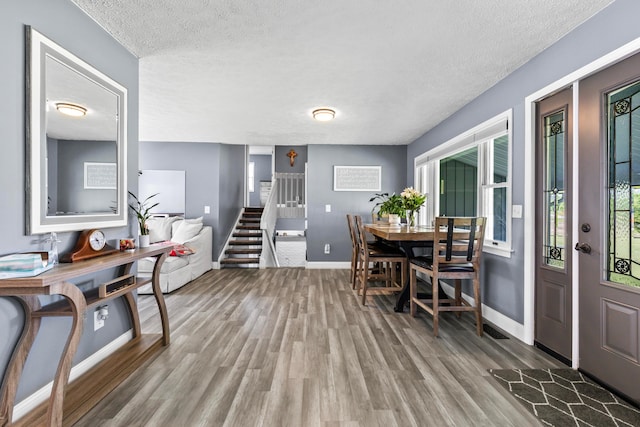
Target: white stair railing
[[291, 197], [268, 257]]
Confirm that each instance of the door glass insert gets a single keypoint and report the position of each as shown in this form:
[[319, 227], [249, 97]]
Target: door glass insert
[[623, 119], [553, 245]]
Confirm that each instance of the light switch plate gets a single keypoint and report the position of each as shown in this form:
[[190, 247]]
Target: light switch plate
[[516, 211], [207, 209], [327, 208]]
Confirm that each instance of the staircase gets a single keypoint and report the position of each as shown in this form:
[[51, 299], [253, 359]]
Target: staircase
[[245, 245]]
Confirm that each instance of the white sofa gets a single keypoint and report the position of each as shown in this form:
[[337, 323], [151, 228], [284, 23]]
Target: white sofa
[[177, 271]]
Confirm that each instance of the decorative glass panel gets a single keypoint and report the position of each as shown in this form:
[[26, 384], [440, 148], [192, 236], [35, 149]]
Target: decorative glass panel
[[553, 245], [623, 118]]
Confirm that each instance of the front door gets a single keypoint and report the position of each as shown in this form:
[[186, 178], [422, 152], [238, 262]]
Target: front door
[[553, 225], [609, 229]]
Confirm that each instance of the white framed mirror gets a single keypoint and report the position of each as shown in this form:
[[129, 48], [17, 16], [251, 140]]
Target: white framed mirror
[[76, 142]]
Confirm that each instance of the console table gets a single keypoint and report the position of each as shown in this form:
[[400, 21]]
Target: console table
[[75, 305]]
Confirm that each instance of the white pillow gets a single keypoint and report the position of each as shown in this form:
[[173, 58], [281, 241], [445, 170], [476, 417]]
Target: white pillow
[[175, 225], [160, 228], [186, 231]]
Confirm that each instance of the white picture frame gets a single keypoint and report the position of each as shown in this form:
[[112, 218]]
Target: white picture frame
[[357, 178], [100, 176]]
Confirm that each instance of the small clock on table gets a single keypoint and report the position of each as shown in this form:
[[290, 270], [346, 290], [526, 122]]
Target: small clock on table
[[90, 244]]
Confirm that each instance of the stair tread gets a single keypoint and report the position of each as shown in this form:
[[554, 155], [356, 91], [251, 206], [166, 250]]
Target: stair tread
[[248, 227], [243, 251], [246, 234], [245, 242], [240, 261]]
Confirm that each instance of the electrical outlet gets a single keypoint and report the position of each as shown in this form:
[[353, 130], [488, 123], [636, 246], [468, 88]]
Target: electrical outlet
[[327, 248], [97, 321]]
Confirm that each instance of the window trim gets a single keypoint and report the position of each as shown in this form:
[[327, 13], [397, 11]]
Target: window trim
[[474, 137], [251, 176]]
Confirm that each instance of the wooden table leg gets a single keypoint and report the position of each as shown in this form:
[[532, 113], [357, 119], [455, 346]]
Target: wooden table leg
[[131, 304], [157, 293], [78, 305], [18, 358]]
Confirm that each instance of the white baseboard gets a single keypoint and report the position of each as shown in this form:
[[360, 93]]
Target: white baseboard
[[215, 265], [500, 320], [328, 265], [31, 402]]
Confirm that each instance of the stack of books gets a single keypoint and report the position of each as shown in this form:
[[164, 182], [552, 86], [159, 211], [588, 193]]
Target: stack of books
[[24, 265]]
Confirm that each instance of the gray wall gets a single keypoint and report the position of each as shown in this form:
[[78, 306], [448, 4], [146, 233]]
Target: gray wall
[[231, 190], [71, 156], [282, 160], [214, 176], [616, 25], [283, 165], [261, 172], [331, 227], [65, 24]]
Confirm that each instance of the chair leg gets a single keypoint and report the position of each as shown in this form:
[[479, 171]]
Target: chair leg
[[458, 296], [392, 283], [364, 280], [354, 269], [435, 302], [413, 294], [478, 301]]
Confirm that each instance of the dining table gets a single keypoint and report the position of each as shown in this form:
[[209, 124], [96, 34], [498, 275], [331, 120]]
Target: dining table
[[407, 238]]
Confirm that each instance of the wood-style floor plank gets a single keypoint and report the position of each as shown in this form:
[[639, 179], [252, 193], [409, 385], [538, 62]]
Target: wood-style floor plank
[[294, 347]]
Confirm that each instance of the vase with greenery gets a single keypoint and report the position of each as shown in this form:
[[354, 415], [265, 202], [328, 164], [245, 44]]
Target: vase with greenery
[[142, 210], [412, 201], [388, 205]]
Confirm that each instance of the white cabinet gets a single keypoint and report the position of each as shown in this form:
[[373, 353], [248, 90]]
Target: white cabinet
[[291, 250]]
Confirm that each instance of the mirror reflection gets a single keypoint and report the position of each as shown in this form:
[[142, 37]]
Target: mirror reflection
[[81, 147]]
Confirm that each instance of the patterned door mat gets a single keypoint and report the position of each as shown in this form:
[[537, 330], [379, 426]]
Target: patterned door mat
[[565, 397]]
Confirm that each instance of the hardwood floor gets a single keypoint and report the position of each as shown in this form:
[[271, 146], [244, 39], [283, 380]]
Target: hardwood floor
[[293, 347]]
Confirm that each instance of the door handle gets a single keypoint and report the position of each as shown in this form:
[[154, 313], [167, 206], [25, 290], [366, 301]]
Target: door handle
[[585, 248]]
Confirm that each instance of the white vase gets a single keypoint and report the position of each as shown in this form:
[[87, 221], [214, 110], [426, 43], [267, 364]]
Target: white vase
[[143, 241], [394, 219]]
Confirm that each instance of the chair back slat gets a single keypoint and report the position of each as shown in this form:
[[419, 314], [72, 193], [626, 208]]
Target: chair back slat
[[458, 240], [352, 231], [361, 235]]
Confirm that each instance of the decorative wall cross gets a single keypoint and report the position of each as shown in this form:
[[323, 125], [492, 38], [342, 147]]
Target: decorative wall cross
[[291, 155]]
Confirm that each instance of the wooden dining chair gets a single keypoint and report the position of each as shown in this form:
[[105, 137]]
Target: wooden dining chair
[[387, 259], [355, 251], [457, 249]]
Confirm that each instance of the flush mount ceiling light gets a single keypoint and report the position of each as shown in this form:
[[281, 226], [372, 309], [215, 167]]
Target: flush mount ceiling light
[[71, 109], [323, 114]]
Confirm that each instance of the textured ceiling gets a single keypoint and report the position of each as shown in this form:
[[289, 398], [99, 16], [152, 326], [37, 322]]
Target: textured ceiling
[[245, 72]]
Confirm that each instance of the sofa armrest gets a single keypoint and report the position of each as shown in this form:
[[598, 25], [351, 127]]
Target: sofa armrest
[[202, 244], [202, 241]]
